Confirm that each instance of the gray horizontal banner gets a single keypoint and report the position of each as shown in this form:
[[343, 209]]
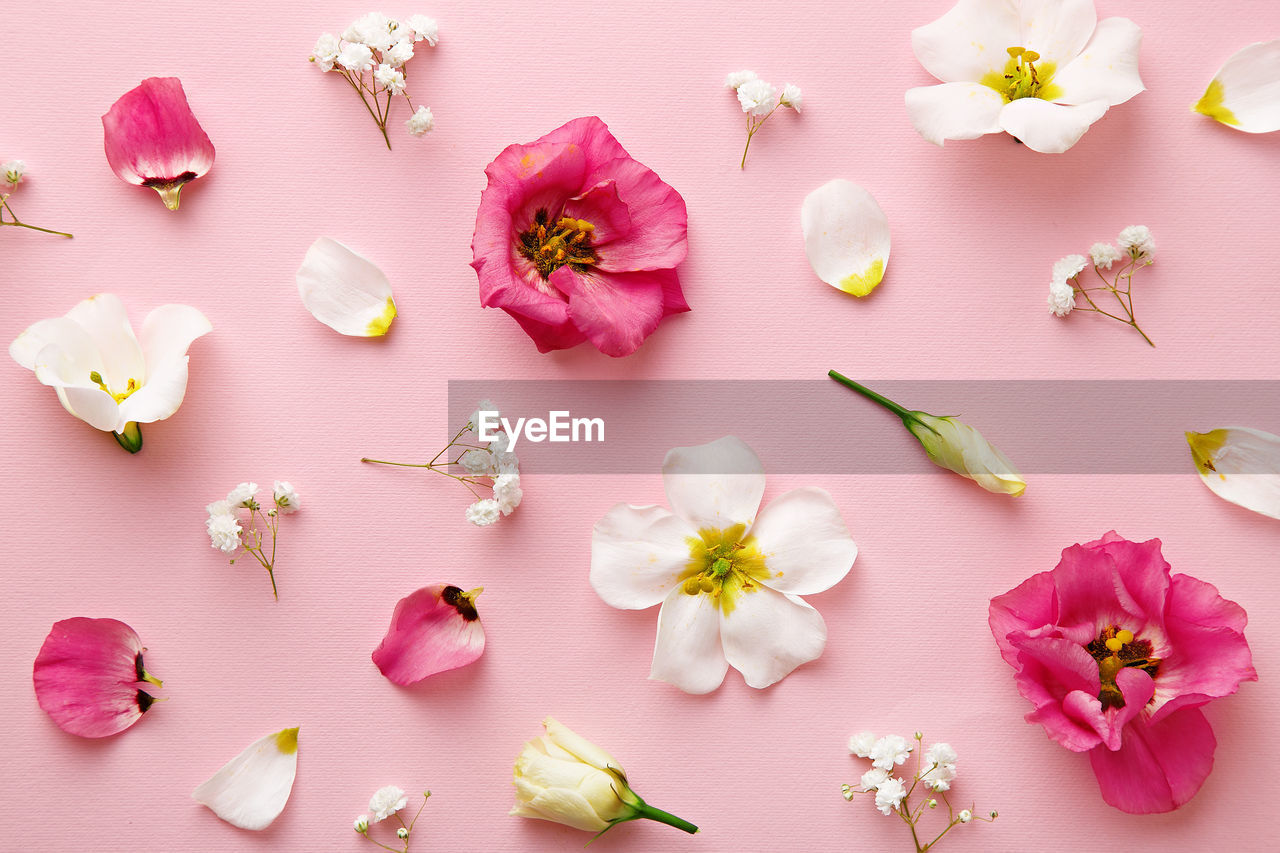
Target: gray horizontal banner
[[821, 427]]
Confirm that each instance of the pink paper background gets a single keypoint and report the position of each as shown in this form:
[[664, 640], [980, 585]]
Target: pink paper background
[[92, 531]]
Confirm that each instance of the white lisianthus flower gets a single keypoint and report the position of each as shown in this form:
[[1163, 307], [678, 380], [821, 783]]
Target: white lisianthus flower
[[285, 496], [1104, 255], [1062, 298], [356, 57], [507, 492], [757, 97], [386, 801], [390, 79], [13, 171], [729, 575], [483, 513], [400, 53], [1137, 241], [424, 28], [1042, 72], [737, 78], [791, 97], [326, 51], [874, 778], [244, 495], [889, 795], [889, 751], [421, 122], [861, 743]]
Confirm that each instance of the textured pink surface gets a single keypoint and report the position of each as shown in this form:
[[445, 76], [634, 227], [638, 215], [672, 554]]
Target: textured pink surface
[[94, 532]]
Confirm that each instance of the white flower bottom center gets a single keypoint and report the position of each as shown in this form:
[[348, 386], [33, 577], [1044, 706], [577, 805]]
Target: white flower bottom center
[[722, 564]]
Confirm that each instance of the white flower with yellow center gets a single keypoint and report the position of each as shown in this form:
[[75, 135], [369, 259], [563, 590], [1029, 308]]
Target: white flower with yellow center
[[1042, 71], [729, 581]]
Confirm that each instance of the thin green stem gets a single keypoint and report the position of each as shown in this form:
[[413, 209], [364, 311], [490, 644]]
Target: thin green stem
[[649, 812], [900, 411], [17, 223]]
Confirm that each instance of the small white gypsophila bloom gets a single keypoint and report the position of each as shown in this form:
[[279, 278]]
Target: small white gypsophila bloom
[[483, 513], [861, 743], [326, 51], [484, 406], [356, 57], [390, 79], [737, 78], [1137, 241], [507, 462], [219, 508], [889, 795], [243, 495], [500, 443], [402, 833], [361, 824], [1069, 267], [757, 97], [224, 531], [400, 53], [847, 791], [1062, 298], [874, 778], [939, 776], [940, 753], [507, 492], [286, 497], [424, 28], [421, 123], [13, 171], [791, 97], [965, 815], [889, 750], [478, 463], [1104, 255], [387, 801]]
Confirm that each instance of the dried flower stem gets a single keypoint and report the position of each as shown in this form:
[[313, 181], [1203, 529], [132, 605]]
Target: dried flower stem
[[271, 522], [754, 123], [442, 467], [17, 223], [1122, 293]]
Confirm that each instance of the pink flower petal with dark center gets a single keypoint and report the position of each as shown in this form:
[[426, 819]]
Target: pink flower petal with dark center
[[1159, 766], [434, 629], [88, 674], [616, 311], [152, 139]]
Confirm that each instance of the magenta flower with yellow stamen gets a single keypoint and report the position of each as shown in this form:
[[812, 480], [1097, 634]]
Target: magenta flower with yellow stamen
[[1117, 656], [89, 674], [579, 242], [152, 139]]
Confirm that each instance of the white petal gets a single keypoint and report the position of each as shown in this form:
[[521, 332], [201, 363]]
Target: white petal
[[767, 634], [805, 544], [93, 406], [715, 485], [968, 41], [160, 397], [637, 555], [1245, 466], [1245, 93], [846, 236], [1056, 29], [687, 652], [1107, 70], [345, 291], [251, 789], [168, 331], [104, 318], [954, 111], [69, 336], [65, 369], [1049, 128]]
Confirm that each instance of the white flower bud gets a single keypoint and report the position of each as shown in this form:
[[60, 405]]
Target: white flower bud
[[361, 824], [402, 833], [966, 816]]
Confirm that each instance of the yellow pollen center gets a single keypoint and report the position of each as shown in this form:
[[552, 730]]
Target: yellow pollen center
[[1115, 649], [1022, 77], [723, 564], [549, 247], [133, 385]]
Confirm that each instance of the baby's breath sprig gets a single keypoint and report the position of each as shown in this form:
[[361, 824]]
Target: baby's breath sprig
[[11, 174], [935, 770], [387, 803], [228, 535], [759, 100], [1136, 250]]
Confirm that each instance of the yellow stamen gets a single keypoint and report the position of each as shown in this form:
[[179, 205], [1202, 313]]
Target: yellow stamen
[[1124, 636]]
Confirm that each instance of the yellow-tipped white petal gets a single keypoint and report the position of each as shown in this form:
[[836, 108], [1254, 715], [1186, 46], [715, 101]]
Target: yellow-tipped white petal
[[1240, 465], [251, 789], [846, 236], [1245, 93], [345, 291]]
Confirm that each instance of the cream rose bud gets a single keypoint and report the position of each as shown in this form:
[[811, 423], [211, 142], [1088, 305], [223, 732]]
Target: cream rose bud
[[959, 447]]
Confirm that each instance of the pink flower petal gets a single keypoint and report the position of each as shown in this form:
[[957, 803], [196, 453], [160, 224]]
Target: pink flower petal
[[1159, 766], [601, 207], [1029, 606], [152, 138], [87, 676], [659, 237], [616, 311], [434, 629]]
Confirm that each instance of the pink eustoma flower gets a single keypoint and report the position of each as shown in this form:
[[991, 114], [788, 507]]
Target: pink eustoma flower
[[88, 676], [1117, 657], [579, 242], [153, 140], [434, 629]]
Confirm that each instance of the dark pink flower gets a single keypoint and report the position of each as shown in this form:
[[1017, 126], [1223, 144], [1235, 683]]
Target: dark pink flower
[[153, 139], [1117, 657], [579, 242], [88, 674], [434, 629]]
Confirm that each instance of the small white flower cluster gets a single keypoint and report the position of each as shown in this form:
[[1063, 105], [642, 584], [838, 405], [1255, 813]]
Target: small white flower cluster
[[759, 99], [387, 802], [226, 533], [935, 770], [379, 47], [13, 171], [1136, 248]]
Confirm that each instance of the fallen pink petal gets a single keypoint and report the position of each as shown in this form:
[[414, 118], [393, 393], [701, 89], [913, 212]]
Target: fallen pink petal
[[433, 630], [1118, 656], [152, 139], [89, 674]]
